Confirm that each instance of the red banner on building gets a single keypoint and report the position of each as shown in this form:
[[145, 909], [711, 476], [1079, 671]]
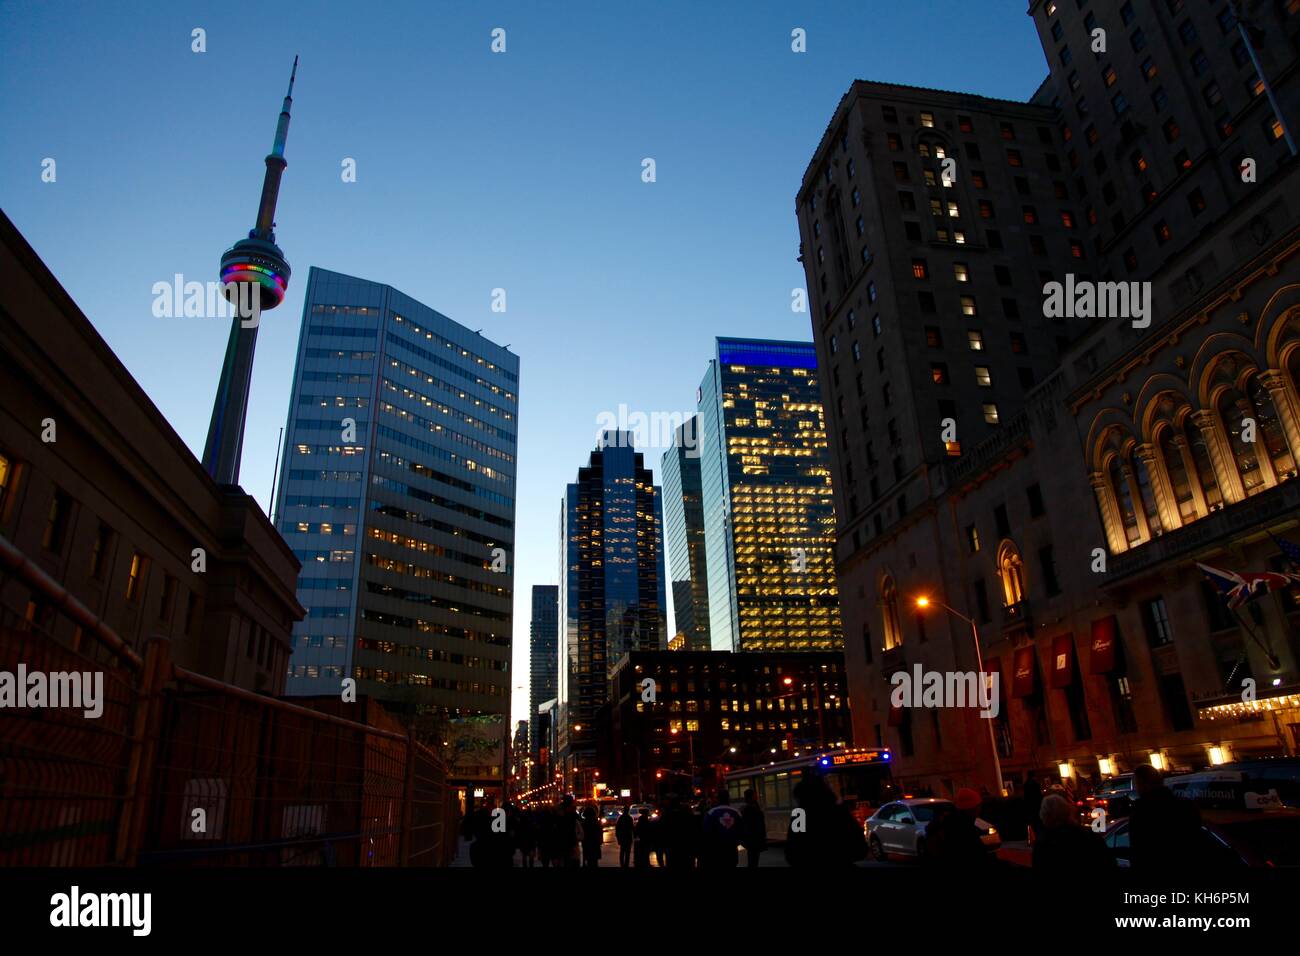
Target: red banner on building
[[1102, 658], [1024, 677], [1062, 660]]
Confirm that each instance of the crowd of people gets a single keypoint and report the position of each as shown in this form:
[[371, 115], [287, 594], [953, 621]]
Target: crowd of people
[[566, 835], [1163, 830], [683, 836], [823, 832]]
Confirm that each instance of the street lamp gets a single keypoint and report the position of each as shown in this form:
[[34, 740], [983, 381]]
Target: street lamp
[[690, 740], [924, 602]]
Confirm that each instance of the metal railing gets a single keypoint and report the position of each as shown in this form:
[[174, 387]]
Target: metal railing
[[180, 769]]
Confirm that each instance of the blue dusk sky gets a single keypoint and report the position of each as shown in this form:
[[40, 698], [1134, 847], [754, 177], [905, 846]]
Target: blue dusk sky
[[475, 171]]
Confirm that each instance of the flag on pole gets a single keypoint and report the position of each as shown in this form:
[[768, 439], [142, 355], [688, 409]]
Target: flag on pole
[[1238, 589], [1290, 550]]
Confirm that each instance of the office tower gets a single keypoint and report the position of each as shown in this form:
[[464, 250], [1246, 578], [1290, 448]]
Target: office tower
[[926, 288], [769, 517], [398, 496], [519, 749], [1065, 536], [255, 276], [543, 655], [684, 537], [611, 587]]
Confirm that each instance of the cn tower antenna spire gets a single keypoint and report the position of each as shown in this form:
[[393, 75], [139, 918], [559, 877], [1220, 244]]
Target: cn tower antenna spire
[[255, 277]]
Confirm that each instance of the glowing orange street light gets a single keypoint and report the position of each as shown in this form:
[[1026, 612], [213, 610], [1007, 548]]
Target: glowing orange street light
[[922, 602]]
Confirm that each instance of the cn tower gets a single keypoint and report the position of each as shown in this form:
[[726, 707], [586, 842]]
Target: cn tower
[[253, 272]]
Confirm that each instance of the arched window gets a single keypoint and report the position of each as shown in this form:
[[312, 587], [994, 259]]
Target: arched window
[[1204, 465], [1179, 480], [1146, 493], [889, 612], [1233, 411], [1012, 573], [1123, 500], [1269, 434]]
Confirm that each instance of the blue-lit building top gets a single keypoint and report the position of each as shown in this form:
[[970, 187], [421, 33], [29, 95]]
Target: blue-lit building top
[[397, 494], [769, 518]]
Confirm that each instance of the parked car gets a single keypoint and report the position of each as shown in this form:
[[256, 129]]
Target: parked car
[[1232, 839], [1114, 795], [899, 827]]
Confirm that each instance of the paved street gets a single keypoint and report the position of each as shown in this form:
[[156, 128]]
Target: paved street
[[774, 856]]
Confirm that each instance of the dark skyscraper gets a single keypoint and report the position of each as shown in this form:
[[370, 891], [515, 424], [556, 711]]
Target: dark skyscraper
[[255, 275], [612, 585], [769, 521], [543, 656], [398, 497], [684, 537]]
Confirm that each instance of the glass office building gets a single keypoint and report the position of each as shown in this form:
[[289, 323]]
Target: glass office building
[[397, 494], [611, 585], [684, 537], [543, 658], [769, 519]]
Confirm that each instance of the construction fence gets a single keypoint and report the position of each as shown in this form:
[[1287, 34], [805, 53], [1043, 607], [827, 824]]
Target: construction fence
[[179, 769]]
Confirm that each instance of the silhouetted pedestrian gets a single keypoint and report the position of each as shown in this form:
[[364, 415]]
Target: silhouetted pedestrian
[[591, 837], [723, 826], [569, 834], [956, 839], [1063, 844], [1164, 830], [754, 829], [825, 834], [625, 834]]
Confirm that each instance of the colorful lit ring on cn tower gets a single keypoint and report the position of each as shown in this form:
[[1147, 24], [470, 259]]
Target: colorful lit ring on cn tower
[[260, 262]]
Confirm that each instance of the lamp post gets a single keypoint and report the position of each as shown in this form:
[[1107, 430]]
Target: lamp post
[[922, 603], [690, 742]]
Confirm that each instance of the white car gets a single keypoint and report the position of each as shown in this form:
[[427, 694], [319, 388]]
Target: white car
[[899, 827]]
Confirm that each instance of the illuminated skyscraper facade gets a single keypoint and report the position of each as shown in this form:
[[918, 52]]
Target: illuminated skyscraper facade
[[611, 586], [398, 496], [684, 538], [543, 658], [769, 519]]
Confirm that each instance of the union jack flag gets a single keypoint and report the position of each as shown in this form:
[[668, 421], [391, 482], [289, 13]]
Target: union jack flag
[[1238, 589]]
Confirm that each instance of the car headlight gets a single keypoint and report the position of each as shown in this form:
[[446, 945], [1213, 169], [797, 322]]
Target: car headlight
[[993, 831]]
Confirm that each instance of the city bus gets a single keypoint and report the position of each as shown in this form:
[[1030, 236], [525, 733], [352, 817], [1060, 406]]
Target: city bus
[[859, 776]]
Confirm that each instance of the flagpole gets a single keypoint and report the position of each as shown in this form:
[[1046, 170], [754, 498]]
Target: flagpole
[[1271, 658]]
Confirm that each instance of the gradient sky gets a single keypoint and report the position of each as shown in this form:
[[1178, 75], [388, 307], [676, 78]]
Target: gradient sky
[[475, 171]]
